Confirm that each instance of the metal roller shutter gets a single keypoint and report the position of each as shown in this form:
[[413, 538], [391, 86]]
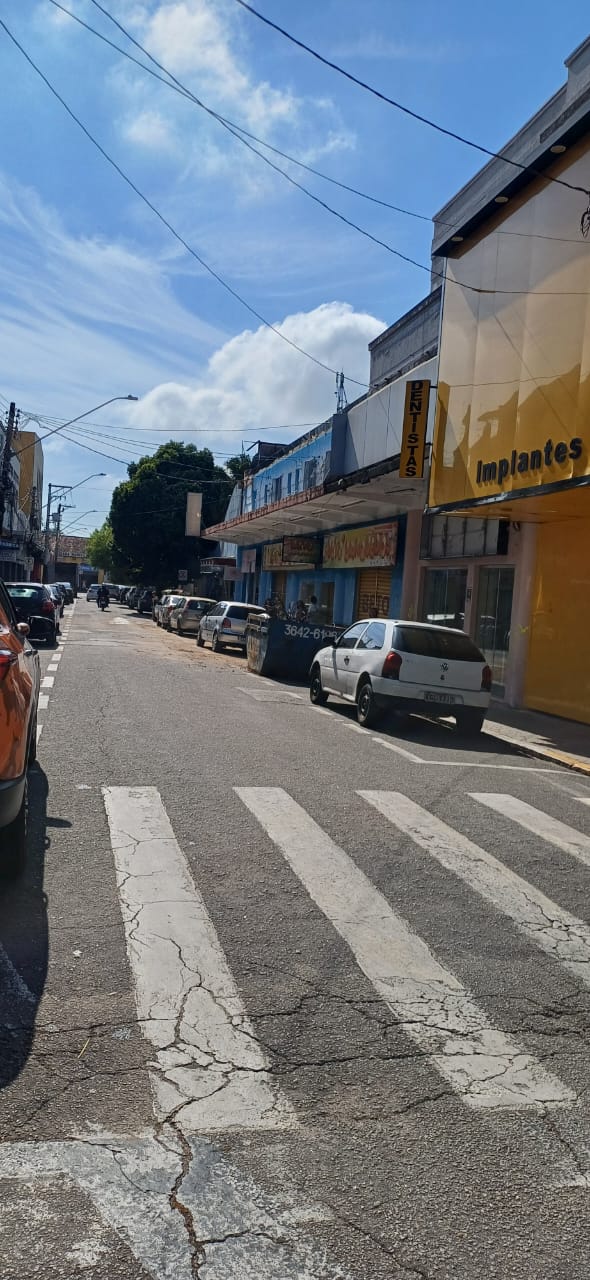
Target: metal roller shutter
[[373, 593]]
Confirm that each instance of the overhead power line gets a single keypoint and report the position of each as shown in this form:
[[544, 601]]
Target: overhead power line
[[400, 106], [172, 82], [236, 132], [165, 222]]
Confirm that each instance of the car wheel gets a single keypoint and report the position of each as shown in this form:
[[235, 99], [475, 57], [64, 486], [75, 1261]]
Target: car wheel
[[200, 641], [14, 843], [366, 709], [316, 693], [470, 721], [216, 644]]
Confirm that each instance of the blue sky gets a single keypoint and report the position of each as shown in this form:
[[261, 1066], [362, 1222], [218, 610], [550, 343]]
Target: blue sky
[[98, 299]]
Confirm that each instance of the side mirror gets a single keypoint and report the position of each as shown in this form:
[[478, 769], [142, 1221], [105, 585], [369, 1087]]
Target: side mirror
[[23, 628]]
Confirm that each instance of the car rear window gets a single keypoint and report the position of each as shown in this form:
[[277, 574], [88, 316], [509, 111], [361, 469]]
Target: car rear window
[[199, 605], [241, 610], [25, 593], [437, 644]]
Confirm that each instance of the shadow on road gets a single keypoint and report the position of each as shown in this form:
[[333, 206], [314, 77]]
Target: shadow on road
[[24, 941]]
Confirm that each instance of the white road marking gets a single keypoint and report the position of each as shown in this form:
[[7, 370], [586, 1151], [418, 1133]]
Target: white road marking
[[56, 657], [122, 622], [557, 932], [484, 1065], [433, 764], [43, 701], [208, 1064], [583, 799], [321, 711], [400, 751], [539, 823], [243, 1231], [39, 732], [261, 695], [52, 666], [48, 682]]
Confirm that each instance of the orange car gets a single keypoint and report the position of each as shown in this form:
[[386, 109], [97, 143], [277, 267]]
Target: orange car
[[20, 678]]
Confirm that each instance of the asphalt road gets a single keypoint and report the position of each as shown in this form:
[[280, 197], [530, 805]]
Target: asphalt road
[[284, 999]]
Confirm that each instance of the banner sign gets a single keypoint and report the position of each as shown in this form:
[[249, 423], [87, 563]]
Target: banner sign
[[194, 505], [301, 551], [372, 548], [411, 462], [272, 556]]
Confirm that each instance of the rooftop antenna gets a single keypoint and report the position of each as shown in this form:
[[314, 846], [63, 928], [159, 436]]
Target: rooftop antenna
[[341, 401]]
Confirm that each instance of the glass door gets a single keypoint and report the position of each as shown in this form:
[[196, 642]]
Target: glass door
[[494, 610]]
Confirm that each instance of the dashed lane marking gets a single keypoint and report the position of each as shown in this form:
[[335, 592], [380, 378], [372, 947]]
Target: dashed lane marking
[[48, 682], [561, 935], [39, 732], [209, 1068], [486, 1067], [43, 701]]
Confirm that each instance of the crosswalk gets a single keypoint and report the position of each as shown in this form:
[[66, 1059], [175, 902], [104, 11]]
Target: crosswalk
[[208, 1063]]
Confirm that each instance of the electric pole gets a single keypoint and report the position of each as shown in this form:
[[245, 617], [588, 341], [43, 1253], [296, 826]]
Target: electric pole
[[47, 526], [57, 533], [5, 481]]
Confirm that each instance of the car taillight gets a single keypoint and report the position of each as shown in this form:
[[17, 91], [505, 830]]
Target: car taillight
[[7, 659], [391, 666], [486, 679], [226, 625], [47, 606]]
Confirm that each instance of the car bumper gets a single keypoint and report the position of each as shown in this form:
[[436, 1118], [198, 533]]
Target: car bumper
[[399, 697], [11, 798], [41, 628]]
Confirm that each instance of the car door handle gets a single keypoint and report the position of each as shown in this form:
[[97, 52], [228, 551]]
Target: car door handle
[[346, 661]]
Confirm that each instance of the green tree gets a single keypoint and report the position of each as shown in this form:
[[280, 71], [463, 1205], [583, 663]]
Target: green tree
[[238, 466], [148, 511], [100, 548]]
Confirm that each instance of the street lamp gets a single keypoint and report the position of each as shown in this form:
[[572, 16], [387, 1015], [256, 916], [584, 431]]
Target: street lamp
[[53, 432]]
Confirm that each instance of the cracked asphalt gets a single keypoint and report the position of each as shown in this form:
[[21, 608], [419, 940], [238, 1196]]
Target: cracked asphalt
[[374, 1161]]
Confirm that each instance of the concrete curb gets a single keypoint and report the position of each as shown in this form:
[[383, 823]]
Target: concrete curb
[[536, 752]]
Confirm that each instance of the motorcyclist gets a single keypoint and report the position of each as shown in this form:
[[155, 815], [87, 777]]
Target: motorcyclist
[[102, 596]]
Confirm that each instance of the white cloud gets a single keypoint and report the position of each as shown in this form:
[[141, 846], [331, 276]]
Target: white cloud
[[255, 383], [151, 130]]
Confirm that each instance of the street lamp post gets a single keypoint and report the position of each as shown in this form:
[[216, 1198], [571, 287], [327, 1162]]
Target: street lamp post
[[68, 488]]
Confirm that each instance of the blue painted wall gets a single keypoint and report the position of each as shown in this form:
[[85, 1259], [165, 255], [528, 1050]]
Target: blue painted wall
[[259, 490]]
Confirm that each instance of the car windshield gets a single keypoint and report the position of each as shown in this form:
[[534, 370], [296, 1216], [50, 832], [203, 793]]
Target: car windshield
[[23, 593]]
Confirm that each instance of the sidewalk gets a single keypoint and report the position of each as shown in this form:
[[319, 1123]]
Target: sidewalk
[[548, 737]]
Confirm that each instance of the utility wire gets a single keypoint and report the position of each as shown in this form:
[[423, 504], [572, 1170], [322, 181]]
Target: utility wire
[[399, 106], [130, 183], [173, 83], [404, 257]]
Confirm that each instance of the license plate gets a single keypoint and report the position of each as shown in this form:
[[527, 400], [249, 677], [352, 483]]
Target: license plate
[[439, 697]]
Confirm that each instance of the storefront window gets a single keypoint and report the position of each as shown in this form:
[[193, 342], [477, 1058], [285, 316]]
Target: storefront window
[[318, 598], [443, 600], [494, 609]]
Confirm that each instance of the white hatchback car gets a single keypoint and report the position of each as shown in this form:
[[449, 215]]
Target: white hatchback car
[[226, 624], [391, 665]]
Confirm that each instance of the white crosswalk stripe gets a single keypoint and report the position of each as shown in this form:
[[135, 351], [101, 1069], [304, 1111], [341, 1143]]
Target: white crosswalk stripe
[[209, 1067], [484, 1065], [561, 935], [538, 823]]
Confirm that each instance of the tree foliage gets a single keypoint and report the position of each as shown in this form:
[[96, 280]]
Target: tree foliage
[[148, 511], [100, 548], [238, 465]]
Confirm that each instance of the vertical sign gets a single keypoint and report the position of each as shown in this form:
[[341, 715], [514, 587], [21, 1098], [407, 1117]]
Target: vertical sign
[[411, 462], [194, 503]]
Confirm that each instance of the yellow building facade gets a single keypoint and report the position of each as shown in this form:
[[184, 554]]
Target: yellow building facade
[[512, 432]]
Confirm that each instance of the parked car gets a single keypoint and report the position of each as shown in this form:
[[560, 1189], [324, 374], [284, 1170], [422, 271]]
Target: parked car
[[69, 591], [92, 592], [113, 590], [225, 624], [20, 678], [58, 596], [185, 618], [131, 597], [38, 607], [144, 600], [390, 665]]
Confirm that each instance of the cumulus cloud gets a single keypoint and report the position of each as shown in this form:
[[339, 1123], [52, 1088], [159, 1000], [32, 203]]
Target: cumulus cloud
[[255, 384], [149, 129]]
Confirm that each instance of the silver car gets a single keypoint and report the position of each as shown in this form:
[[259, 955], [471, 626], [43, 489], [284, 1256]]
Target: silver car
[[225, 624], [186, 617]]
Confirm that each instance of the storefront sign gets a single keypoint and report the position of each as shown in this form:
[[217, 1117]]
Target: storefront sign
[[370, 548], [299, 551], [272, 556], [411, 464], [524, 462]]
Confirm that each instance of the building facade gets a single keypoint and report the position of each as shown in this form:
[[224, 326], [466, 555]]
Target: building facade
[[21, 547], [511, 453]]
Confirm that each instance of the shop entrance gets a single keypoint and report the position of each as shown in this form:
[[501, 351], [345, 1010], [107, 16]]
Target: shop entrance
[[373, 593], [443, 601], [492, 629]]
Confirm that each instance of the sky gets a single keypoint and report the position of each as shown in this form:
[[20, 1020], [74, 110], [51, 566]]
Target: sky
[[98, 298]]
